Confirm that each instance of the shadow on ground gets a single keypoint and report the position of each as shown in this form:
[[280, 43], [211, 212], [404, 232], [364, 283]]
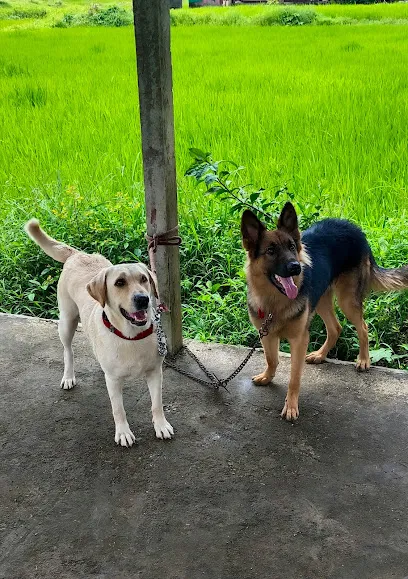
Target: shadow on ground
[[237, 494]]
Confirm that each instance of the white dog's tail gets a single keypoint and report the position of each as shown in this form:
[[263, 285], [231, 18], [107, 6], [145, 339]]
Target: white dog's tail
[[55, 249]]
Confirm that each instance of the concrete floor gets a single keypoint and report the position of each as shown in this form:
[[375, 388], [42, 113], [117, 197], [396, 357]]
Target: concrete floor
[[238, 493]]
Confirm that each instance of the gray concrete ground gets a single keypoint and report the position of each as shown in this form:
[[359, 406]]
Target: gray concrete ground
[[237, 494]]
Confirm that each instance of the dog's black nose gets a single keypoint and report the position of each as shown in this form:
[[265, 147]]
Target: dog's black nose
[[141, 301], [294, 268]]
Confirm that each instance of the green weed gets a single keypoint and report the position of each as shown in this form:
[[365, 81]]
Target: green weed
[[34, 96], [10, 69], [288, 16], [18, 14], [97, 16]]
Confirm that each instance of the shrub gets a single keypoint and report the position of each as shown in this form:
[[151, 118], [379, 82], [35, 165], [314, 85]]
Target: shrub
[[111, 16], [290, 17], [97, 16], [287, 16], [17, 14]]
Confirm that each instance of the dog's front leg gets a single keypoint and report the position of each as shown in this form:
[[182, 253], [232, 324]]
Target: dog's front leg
[[298, 349], [123, 435], [162, 428], [270, 344]]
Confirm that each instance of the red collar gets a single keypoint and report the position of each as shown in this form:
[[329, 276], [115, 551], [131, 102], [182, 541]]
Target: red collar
[[261, 314], [112, 329]]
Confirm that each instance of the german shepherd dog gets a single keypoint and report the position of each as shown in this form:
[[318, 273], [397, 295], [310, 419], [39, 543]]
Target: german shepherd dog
[[292, 276]]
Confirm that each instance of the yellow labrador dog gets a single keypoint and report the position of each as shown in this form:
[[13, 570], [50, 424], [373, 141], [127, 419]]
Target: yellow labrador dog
[[114, 303]]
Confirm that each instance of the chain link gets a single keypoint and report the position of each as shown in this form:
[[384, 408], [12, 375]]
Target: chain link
[[161, 337], [214, 381], [171, 238]]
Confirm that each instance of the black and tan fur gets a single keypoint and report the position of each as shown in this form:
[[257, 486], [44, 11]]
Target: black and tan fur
[[332, 257]]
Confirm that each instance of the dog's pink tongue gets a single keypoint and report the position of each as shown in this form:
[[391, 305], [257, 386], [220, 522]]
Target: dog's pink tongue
[[139, 315], [289, 286]]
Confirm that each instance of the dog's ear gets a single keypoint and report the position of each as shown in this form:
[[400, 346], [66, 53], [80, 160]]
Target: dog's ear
[[97, 287], [251, 230], [288, 221], [152, 280]]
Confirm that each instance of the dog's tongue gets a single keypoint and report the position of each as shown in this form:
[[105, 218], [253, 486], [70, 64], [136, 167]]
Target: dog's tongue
[[140, 315], [289, 286]]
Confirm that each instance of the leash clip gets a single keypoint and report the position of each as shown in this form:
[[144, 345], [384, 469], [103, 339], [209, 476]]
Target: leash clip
[[162, 308]]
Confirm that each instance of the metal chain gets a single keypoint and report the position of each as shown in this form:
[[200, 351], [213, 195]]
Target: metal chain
[[171, 238], [216, 382], [161, 337]]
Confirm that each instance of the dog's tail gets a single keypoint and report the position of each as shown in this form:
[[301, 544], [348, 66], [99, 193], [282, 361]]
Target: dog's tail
[[394, 279], [55, 249]]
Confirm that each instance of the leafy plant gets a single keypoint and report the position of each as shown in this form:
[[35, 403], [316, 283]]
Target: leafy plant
[[219, 177], [287, 16], [111, 16], [97, 16], [290, 17]]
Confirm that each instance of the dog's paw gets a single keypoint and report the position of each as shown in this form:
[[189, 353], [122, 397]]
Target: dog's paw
[[262, 379], [68, 383], [363, 364], [290, 411], [315, 358], [124, 436], [163, 428]]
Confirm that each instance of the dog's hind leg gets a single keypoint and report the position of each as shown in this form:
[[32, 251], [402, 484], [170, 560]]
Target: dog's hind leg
[[68, 323], [325, 310], [351, 289], [270, 344]]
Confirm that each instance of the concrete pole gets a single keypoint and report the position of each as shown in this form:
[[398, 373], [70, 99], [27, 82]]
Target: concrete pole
[[152, 32]]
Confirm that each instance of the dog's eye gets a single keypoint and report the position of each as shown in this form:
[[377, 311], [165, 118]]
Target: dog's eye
[[292, 246], [120, 282], [143, 279], [270, 250]]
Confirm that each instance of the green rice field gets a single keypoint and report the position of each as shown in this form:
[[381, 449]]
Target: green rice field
[[322, 110]]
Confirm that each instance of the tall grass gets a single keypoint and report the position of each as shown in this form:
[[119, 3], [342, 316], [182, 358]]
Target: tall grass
[[323, 110], [316, 111]]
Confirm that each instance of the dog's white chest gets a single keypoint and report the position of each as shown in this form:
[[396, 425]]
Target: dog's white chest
[[127, 359]]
